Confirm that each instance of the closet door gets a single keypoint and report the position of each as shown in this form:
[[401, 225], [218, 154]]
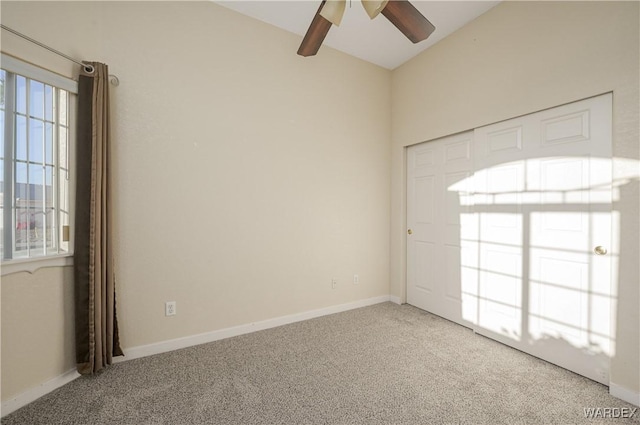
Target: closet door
[[511, 230], [543, 202], [438, 174]]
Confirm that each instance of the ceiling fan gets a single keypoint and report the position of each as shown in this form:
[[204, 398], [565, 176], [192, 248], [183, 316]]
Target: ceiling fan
[[401, 13]]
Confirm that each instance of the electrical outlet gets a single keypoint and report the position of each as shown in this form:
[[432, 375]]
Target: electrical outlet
[[356, 279], [170, 308], [334, 283]]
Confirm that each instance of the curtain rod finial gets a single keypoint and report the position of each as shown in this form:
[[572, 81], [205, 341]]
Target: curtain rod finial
[[114, 80]]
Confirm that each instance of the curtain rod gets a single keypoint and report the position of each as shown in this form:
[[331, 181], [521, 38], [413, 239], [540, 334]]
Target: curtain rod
[[88, 68]]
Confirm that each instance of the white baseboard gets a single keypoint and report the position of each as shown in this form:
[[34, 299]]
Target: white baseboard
[[35, 393], [625, 394], [395, 299], [188, 341]]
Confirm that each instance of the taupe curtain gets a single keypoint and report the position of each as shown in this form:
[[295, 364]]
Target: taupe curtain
[[97, 340]]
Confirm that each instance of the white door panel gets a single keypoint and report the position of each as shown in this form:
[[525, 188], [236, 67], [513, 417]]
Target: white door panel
[[452, 272], [514, 211], [435, 217]]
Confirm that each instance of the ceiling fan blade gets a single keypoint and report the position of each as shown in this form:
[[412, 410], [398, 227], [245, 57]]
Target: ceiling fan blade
[[408, 20], [333, 11], [315, 34], [374, 7]]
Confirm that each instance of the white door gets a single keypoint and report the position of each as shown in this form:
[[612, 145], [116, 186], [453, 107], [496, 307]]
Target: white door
[[434, 219], [541, 205]]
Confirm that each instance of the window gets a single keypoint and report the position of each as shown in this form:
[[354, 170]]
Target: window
[[35, 122]]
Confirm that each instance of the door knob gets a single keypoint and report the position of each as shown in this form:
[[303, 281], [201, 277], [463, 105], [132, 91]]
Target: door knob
[[600, 250], [410, 231]]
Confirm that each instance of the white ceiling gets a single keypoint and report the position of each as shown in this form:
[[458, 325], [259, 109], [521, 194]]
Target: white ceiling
[[376, 41]]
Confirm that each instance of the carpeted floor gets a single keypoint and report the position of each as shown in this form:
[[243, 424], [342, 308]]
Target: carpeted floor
[[384, 364]]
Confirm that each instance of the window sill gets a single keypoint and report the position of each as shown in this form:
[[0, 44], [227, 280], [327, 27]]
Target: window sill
[[31, 265]]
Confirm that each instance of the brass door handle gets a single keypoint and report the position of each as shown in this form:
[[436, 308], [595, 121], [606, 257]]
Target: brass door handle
[[410, 231], [600, 250]]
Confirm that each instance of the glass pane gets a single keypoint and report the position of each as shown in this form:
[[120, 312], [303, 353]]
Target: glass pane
[[62, 148], [21, 137], [48, 143], [36, 183], [64, 97], [21, 94], [48, 188], [22, 232], [48, 103], [63, 191], [3, 78], [36, 230], [36, 136], [36, 99], [50, 228], [21, 212], [36, 213], [62, 208], [1, 134], [21, 183], [1, 232], [64, 221]]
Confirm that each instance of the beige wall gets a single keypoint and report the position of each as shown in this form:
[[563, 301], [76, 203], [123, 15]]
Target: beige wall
[[37, 328], [518, 58], [246, 176]]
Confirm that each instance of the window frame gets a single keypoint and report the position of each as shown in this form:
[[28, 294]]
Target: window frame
[[33, 72]]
